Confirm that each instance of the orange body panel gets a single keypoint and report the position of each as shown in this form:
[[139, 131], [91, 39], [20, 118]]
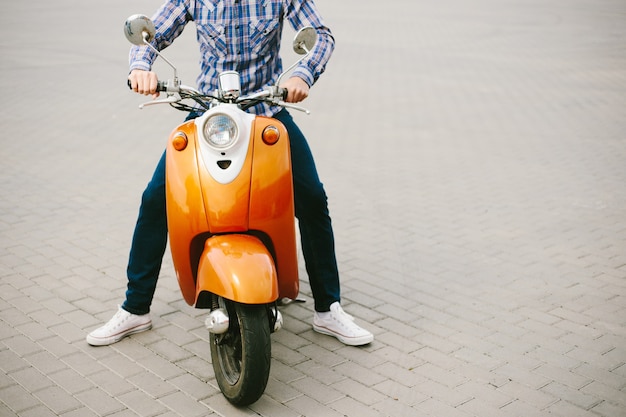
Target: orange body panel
[[238, 267], [186, 216], [259, 201], [227, 205], [271, 203]]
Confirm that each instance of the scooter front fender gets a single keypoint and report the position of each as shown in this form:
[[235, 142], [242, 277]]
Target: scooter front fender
[[238, 267]]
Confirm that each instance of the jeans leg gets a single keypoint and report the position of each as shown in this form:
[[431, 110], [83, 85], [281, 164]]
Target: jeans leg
[[316, 232], [148, 245]]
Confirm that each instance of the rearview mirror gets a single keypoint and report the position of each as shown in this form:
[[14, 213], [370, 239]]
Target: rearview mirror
[[304, 40], [139, 29]]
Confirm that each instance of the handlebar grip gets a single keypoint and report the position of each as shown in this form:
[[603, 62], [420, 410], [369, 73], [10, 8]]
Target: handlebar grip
[[161, 85], [283, 93]]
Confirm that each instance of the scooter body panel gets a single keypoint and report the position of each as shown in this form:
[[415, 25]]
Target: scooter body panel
[[186, 214], [271, 203], [256, 200], [238, 267]]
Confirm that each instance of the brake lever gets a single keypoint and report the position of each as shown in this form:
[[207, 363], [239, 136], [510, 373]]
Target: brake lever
[[168, 100], [292, 106]]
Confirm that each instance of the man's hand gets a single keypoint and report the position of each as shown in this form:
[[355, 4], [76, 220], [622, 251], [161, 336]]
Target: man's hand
[[144, 82], [297, 89]]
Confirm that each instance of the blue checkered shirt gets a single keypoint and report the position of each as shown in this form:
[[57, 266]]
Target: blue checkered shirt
[[240, 35]]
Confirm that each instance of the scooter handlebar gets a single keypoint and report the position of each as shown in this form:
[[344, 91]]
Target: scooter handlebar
[[161, 85], [283, 93], [269, 95]]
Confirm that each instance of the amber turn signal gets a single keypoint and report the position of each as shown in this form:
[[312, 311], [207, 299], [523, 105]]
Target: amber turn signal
[[179, 141], [270, 135]]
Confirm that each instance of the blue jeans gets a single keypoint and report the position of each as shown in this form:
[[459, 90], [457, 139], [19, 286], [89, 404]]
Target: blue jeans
[[318, 247]]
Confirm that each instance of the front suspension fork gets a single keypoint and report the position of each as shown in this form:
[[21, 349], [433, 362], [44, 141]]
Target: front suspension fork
[[218, 321]]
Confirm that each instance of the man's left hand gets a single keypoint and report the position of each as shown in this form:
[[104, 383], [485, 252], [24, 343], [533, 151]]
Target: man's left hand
[[297, 89]]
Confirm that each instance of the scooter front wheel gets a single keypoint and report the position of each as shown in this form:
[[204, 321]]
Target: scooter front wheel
[[241, 357]]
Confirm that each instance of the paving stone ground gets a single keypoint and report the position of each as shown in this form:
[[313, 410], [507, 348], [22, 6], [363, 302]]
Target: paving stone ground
[[474, 154]]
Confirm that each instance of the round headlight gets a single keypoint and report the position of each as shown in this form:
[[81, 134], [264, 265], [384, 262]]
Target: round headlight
[[220, 131]]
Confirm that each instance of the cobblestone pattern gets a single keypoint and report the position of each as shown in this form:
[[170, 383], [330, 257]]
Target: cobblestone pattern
[[474, 154]]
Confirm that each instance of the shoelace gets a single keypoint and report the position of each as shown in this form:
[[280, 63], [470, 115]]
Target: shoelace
[[344, 319], [118, 319]]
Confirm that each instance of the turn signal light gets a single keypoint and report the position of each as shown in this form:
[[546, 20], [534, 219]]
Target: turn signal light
[[179, 141], [270, 135]]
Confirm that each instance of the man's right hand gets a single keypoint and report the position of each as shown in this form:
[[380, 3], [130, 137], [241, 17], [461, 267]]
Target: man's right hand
[[144, 82]]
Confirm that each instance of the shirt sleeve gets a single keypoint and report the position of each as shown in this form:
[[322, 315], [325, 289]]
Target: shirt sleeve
[[301, 13], [169, 22]]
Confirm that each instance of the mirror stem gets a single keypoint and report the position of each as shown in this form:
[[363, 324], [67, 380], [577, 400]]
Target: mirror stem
[[146, 36], [280, 77]]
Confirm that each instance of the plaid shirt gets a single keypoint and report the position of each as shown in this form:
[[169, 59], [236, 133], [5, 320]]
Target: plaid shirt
[[240, 35]]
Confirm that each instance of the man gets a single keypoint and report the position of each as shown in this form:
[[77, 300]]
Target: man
[[240, 35]]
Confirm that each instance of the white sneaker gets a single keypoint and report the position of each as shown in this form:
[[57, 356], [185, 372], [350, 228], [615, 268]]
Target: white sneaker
[[121, 325], [340, 324]]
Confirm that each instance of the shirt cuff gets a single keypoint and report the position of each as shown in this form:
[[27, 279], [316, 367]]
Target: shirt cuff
[[305, 74], [140, 65]]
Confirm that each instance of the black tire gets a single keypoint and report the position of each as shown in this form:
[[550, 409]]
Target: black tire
[[241, 357]]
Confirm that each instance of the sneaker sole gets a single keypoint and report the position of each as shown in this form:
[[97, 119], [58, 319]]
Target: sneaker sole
[[105, 341], [350, 341]]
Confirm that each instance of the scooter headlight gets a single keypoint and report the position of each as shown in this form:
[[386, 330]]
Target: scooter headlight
[[220, 131]]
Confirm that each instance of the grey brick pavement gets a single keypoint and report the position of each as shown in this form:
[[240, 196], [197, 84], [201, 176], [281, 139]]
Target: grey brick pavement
[[474, 154]]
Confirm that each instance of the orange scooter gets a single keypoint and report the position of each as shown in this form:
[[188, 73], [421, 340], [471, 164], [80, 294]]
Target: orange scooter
[[230, 215]]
